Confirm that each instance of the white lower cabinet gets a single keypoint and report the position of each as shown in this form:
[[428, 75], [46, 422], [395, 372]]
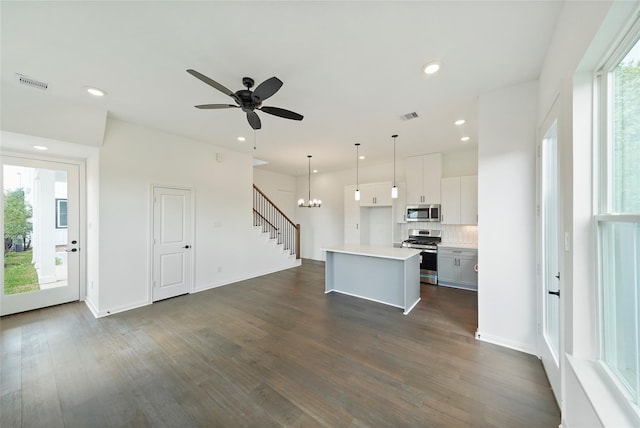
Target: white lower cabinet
[[457, 267]]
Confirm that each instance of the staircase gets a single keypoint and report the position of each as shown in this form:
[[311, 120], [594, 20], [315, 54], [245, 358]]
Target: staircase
[[273, 223]]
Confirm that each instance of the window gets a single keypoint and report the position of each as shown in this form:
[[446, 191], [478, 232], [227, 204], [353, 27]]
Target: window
[[61, 213], [618, 220]]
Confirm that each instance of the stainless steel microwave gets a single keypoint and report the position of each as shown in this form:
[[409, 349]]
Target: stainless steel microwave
[[423, 212]]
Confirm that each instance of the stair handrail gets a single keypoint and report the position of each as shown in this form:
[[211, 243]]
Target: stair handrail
[[294, 244]]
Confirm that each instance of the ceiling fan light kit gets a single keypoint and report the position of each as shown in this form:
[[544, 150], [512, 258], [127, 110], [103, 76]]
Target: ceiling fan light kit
[[249, 100]]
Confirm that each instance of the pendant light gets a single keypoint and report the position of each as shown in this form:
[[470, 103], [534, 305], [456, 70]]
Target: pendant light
[[313, 203], [357, 195], [394, 189]]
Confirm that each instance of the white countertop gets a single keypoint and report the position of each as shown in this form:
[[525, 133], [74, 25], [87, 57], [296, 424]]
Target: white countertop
[[457, 245], [375, 251]]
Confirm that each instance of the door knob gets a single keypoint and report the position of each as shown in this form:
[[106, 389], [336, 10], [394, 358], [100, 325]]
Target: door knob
[[73, 250], [186, 246], [557, 293], [558, 275]]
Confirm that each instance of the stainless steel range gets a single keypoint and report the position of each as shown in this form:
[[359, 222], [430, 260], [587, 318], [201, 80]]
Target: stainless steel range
[[426, 240]]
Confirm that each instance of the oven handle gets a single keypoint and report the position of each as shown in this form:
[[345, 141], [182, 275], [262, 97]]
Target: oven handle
[[429, 251]]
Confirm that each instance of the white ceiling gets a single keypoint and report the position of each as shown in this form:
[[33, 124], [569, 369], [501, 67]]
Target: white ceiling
[[351, 68]]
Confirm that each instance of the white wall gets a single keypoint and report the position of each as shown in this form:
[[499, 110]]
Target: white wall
[[584, 34], [506, 210], [133, 159], [459, 163], [93, 231], [280, 188]]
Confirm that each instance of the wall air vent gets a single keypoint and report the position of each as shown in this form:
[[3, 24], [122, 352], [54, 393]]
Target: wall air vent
[[24, 80], [409, 116]]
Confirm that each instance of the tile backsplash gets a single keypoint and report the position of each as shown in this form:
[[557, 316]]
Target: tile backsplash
[[451, 233]]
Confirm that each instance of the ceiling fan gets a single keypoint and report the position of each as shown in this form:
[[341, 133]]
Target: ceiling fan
[[249, 100]]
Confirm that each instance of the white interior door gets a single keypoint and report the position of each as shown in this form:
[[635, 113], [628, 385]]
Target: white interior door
[[172, 242], [40, 217], [550, 254]]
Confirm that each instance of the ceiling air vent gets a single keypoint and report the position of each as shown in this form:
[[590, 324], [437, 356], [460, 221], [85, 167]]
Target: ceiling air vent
[[24, 80], [409, 116]]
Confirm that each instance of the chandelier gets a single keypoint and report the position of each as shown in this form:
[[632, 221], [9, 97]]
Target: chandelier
[[313, 203]]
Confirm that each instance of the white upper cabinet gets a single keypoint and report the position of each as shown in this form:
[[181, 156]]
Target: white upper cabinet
[[423, 174], [460, 200], [450, 208], [469, 199], [375, 195]]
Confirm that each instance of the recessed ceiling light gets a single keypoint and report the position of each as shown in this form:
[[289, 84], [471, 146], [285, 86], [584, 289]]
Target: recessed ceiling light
[[315, 171], [431, 68], [242, 139], [459, 122], [465, 138], [41, 147], [361, 157], [96, 92]]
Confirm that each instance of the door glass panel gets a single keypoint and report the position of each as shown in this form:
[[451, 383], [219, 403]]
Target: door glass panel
[[550, 239], [35, 229]]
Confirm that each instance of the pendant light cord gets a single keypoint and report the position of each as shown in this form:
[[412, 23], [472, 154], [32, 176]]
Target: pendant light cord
[[394, 158], [309, 156], [357, 163]]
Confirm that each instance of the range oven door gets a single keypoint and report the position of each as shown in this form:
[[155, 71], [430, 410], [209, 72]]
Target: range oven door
[[429, 266]]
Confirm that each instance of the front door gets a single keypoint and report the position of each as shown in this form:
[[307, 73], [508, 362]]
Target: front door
[[550, 254], [41, 234], [172, 242]]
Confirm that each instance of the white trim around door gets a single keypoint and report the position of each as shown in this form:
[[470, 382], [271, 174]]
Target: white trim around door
[[172, 249]]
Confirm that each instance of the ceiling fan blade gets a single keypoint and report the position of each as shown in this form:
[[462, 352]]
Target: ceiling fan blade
[[287, 114], [254, 120], [267, 88], [213, 83], [216, 106]]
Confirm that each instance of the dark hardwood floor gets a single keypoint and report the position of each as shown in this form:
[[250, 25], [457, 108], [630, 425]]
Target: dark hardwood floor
[[270, 351]]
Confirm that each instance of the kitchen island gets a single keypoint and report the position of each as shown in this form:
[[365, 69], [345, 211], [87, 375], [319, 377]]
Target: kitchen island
[[381, 274]]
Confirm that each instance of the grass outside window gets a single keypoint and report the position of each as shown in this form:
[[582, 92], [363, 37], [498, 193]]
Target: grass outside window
[[20, 275]]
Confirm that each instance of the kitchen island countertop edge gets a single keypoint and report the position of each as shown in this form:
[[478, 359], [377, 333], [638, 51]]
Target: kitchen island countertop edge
[[374, 251]]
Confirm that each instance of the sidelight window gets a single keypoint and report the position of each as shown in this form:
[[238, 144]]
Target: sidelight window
[[618, 217]]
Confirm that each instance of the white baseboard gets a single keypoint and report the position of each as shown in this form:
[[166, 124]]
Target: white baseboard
[[501, 341], [99, 314], [124, 308], [91, 307], [233, 280]]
